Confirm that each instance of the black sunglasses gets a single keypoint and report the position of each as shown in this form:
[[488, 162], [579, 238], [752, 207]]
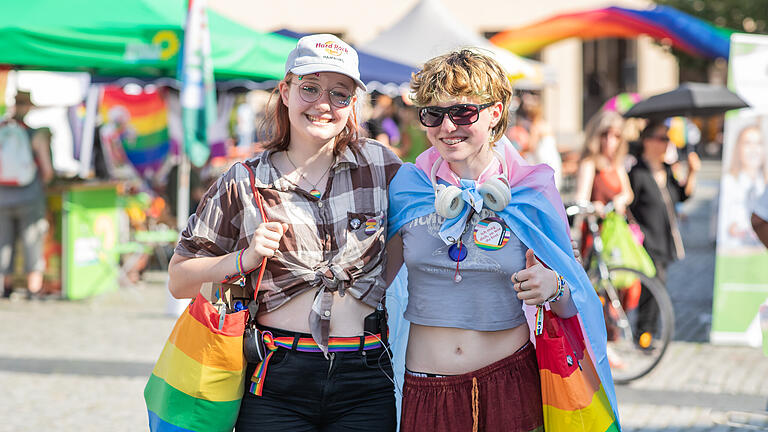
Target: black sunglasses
[[460, 114]]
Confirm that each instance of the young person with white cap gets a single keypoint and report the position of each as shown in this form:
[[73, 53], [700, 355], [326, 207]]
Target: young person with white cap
[[324, 194]]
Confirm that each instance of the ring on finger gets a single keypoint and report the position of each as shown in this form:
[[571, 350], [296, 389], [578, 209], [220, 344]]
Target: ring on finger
[[514, 276]]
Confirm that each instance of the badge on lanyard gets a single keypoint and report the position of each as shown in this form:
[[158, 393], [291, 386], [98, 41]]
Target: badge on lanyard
[[491, 234]]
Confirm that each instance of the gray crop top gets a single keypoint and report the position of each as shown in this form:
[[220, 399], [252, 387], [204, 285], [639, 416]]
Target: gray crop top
[[484, 299]]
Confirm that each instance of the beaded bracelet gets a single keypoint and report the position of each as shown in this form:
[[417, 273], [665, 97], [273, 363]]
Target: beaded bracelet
[[560, 289]]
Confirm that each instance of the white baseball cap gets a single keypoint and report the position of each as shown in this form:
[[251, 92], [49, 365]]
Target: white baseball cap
[[324, 53]]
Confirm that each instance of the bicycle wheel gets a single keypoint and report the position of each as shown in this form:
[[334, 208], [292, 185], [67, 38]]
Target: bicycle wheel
[[639, 320]]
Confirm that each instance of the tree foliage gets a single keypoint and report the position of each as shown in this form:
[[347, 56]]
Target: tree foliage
[[747, 16]]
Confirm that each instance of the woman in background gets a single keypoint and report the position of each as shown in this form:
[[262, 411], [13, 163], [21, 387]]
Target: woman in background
[[602, 174]]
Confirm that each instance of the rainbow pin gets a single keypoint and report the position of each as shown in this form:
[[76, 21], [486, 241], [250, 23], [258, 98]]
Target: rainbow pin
[[491, 234], [370, 226]]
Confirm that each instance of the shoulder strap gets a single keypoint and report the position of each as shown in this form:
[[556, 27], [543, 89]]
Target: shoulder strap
[[257, 196]]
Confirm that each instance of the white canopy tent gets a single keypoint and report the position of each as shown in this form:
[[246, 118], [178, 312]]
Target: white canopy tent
[[429, 30]]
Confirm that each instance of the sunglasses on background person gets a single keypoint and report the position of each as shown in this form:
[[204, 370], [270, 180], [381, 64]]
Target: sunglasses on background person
[[460, 115], [309, 92]]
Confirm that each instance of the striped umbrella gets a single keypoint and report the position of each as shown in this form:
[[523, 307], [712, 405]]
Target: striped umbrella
[[622, 102]]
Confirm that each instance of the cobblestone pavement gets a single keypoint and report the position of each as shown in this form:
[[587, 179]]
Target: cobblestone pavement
[[82, 366]]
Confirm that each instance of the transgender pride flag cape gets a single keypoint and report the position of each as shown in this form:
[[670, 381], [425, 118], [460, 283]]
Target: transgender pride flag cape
[[537, 216]]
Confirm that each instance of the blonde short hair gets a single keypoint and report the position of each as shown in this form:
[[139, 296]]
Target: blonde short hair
[[466, 73]]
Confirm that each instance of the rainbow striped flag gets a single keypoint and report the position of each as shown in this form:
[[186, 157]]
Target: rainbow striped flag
[[663, 23], [198, 381], [138, 123], [573, 397]]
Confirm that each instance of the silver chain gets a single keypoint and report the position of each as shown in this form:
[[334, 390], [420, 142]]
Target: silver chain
[[301, 174]]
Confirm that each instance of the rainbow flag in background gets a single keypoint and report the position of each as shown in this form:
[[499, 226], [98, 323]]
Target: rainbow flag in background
[[663, 23], [198, 380], [142, 126]]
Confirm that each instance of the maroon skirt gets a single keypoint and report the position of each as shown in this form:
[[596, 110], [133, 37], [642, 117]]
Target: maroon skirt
[[503, 396]]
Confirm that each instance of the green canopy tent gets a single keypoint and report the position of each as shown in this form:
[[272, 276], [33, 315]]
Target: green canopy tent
[[128, 38], [135, 38]]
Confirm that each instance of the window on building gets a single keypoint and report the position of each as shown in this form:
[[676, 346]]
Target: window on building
[[609, 68]]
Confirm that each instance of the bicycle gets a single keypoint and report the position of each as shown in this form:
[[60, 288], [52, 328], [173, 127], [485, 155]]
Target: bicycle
[[635, 345]]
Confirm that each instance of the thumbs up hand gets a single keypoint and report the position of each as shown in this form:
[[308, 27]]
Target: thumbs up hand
[[536, 283]]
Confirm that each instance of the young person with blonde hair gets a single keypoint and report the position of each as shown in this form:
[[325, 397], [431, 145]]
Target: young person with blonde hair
[[324, 194], [474, 225]]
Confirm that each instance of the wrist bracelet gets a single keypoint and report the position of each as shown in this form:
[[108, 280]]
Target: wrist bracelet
[[560, 289], [239, 274]]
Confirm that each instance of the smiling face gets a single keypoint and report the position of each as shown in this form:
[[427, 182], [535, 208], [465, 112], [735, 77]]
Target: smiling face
[[465, 144], [751, 149], [320, 122]]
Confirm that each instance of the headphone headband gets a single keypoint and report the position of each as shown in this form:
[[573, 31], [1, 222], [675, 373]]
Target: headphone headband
[[438, 162]]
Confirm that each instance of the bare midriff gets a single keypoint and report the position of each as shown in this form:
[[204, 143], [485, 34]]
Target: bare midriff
[[454, 351], [348, 314]]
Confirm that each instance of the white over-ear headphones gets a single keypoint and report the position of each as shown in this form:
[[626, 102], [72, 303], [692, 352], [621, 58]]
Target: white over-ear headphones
[[448, 201]]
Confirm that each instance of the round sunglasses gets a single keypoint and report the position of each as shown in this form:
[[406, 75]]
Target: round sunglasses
[[460, 114], [310, 92]]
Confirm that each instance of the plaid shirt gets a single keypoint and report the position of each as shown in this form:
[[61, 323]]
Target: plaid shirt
[[333, 244]]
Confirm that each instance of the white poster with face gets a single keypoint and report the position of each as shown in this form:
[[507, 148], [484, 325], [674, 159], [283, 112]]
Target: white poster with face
[[741, 282]]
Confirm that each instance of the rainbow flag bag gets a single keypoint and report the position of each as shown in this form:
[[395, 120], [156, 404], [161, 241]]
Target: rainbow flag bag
[[572, 396], [198, 381]]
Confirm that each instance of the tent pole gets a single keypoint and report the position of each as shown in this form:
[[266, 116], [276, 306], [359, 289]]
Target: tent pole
[[89, 129], [182, 195]]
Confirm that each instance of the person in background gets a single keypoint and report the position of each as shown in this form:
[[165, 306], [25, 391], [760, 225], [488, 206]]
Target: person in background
[[603, 179], [744, 181], [23, 205], [602, 174], [413, 140], [541, 146], [656, 191], [383, 126], [324, 196]]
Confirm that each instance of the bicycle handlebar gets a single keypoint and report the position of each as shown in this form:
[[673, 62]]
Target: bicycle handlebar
[[587, 208]]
